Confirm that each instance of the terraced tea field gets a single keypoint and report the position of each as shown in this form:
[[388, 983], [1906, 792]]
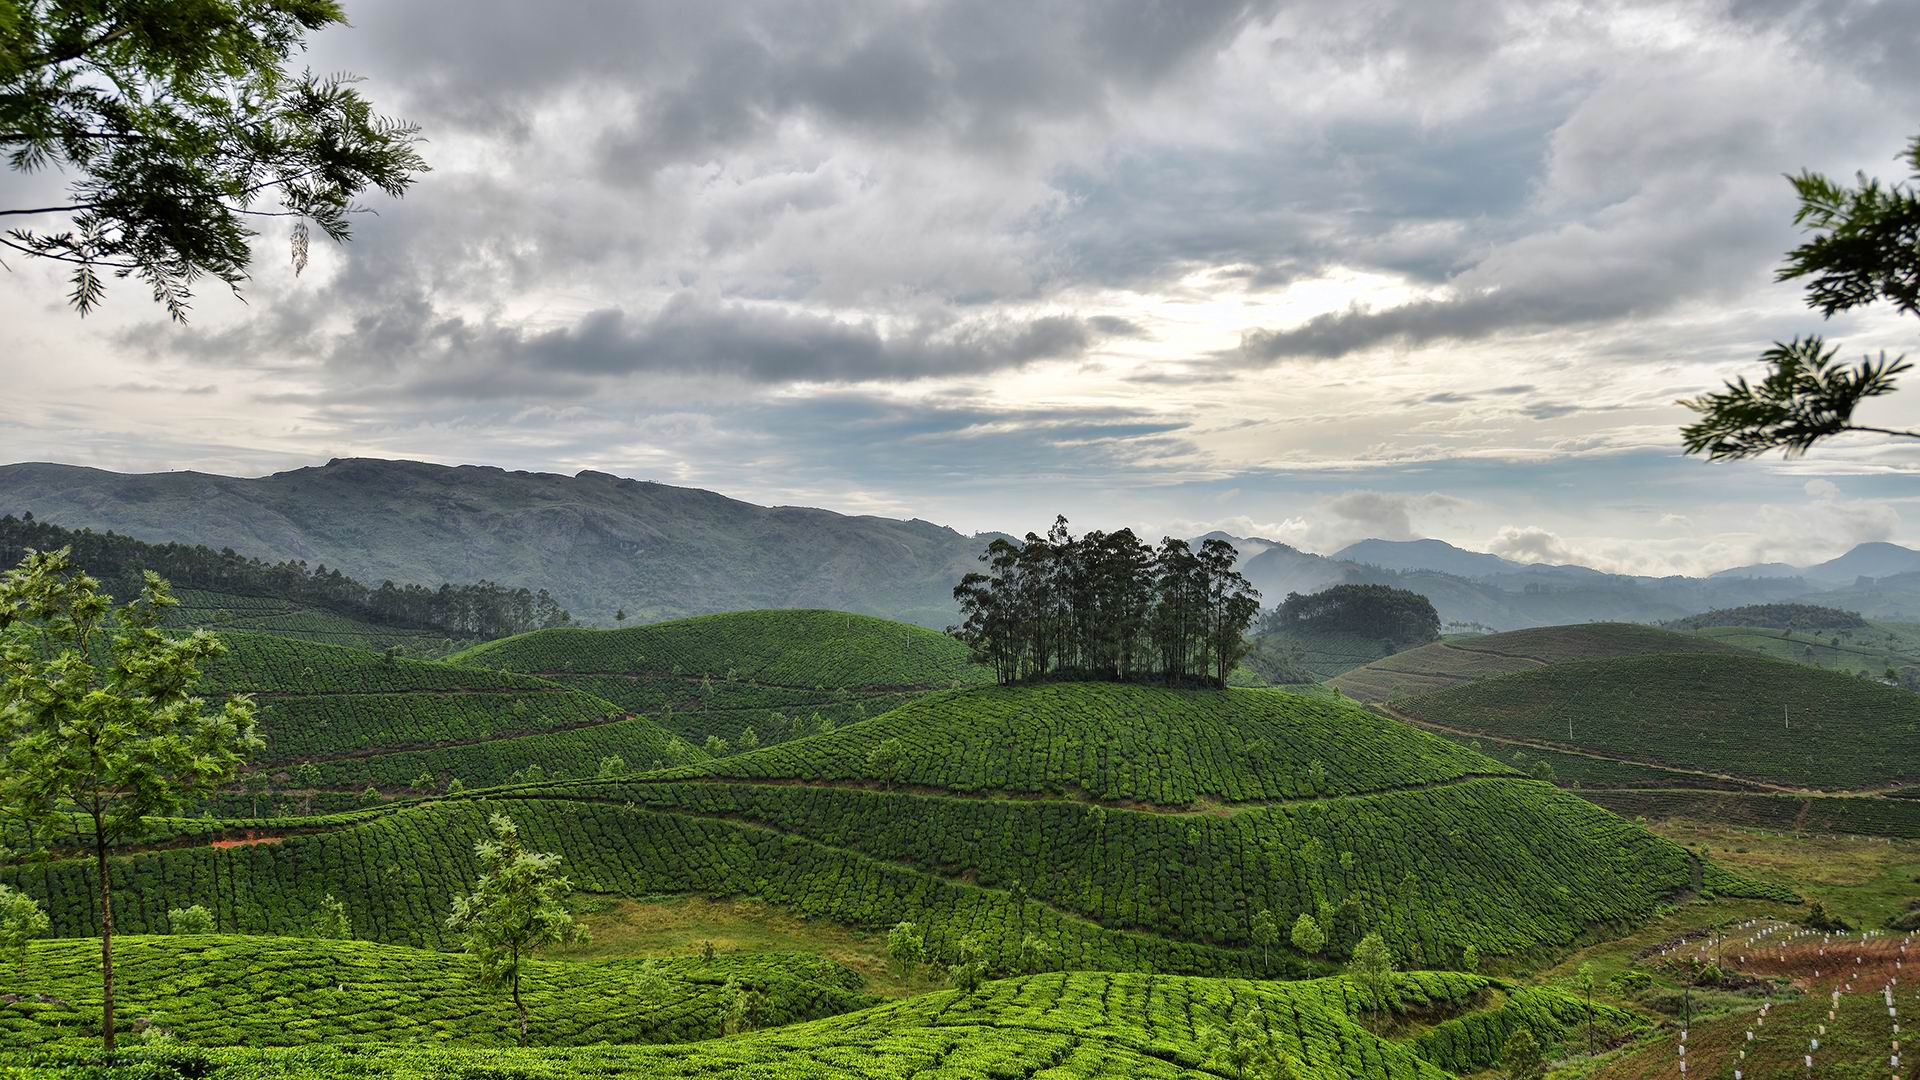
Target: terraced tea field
[[339, 720], [776, 674], [1013, 812], [1444, 664], [1055, 1026], [1871, 650], [1743, 717], [288, 991]]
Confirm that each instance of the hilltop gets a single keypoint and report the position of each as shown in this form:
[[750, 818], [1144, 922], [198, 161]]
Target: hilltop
[[1128, 828], [225, 590], [1443, 664], [777, 674]]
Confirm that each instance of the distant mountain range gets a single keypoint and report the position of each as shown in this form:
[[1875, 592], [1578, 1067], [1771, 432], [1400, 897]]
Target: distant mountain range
[[602, 544]]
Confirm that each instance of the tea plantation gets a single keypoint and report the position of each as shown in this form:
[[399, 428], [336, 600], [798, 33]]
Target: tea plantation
[[342, 719], [1056, 1026], [774, 674], [1444, 664], [1740, 715], [1219, 805], [287, 991]]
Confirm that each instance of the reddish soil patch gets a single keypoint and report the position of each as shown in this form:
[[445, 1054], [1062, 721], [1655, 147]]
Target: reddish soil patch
[[246, 841]]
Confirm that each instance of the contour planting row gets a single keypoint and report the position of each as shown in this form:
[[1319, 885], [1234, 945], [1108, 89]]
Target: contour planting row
[[1746, 716], [403, 869], [1061, 1027], [261, 991], [1504, 865], [1443, 664], [1117, 742]]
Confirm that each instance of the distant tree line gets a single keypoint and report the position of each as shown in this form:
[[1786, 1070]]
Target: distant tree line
[[1396, 616], [1775, 616], [483, 609], [1107, 606]]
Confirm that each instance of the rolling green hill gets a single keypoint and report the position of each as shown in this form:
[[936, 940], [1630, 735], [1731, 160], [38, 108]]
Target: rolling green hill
[[1054, 1026], [338, 719], [1872, 649], [1130, 828], [225, 990], [776, 673], [1736, 715], [283, 617], [1444, 664]]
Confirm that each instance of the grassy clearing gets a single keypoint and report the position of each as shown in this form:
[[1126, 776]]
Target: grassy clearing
[[679, 926], [1864, 880]]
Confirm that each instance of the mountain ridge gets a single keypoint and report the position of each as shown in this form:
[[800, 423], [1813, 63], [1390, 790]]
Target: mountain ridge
[[603, 544]]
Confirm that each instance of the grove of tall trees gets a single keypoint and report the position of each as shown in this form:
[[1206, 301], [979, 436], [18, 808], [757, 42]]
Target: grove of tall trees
[[1107, 606]]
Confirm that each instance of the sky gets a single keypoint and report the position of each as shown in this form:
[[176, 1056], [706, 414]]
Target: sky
[[1311, 272]]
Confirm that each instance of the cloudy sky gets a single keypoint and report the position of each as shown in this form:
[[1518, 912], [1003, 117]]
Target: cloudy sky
[[1311, 271]]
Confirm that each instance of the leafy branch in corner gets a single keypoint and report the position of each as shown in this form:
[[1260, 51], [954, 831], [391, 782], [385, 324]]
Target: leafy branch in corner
[[1865, 249]]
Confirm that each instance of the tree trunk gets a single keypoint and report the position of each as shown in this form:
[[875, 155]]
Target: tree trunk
[[106, 934], [517, 1003]]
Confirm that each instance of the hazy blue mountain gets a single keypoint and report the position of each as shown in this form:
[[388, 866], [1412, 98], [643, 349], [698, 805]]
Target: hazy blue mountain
[[597, 542], [1874, 560], [600, 543], [1870, 560]]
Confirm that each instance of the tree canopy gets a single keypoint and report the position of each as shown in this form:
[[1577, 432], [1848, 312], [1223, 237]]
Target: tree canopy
[[1864, 249], [1393, 615], [1107, 606], [173, 120]]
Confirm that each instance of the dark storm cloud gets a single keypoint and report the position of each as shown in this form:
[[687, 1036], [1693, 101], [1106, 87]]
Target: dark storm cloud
[[406, 351], [699, 78]]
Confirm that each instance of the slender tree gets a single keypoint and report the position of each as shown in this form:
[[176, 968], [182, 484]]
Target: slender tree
[[1372, 968], [518, 905], [21, 920], [331, 922], [969, 965], [1864, 249], [172, 122], [1265, 932], [98, 715], [906, 950], [1307, 935]]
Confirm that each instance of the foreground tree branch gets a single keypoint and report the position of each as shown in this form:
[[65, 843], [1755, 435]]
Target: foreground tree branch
[[175, 117], [1865, 249]]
